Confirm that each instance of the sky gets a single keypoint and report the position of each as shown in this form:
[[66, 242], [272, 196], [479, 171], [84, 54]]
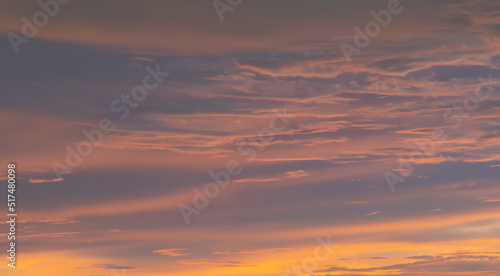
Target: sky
[[242, 138]]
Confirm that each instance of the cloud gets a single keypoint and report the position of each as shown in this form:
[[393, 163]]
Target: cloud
[[52, 235], [54, 180], [442, 264], [322, 174], [447, 72], [373, 213], [256, 180], [109, 267], [489, 199], [216, 263], [256, 251], [174, 252], [297, 174]]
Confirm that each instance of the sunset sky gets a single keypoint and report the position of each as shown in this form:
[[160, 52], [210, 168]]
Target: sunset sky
[[221, 76]]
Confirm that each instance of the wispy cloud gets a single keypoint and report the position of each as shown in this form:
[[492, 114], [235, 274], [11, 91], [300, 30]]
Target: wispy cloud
[[54, 180], [255, 251], [174, 252]]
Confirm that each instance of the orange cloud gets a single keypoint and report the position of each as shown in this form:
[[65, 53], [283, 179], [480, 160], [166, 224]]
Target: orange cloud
[[175, 252]]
